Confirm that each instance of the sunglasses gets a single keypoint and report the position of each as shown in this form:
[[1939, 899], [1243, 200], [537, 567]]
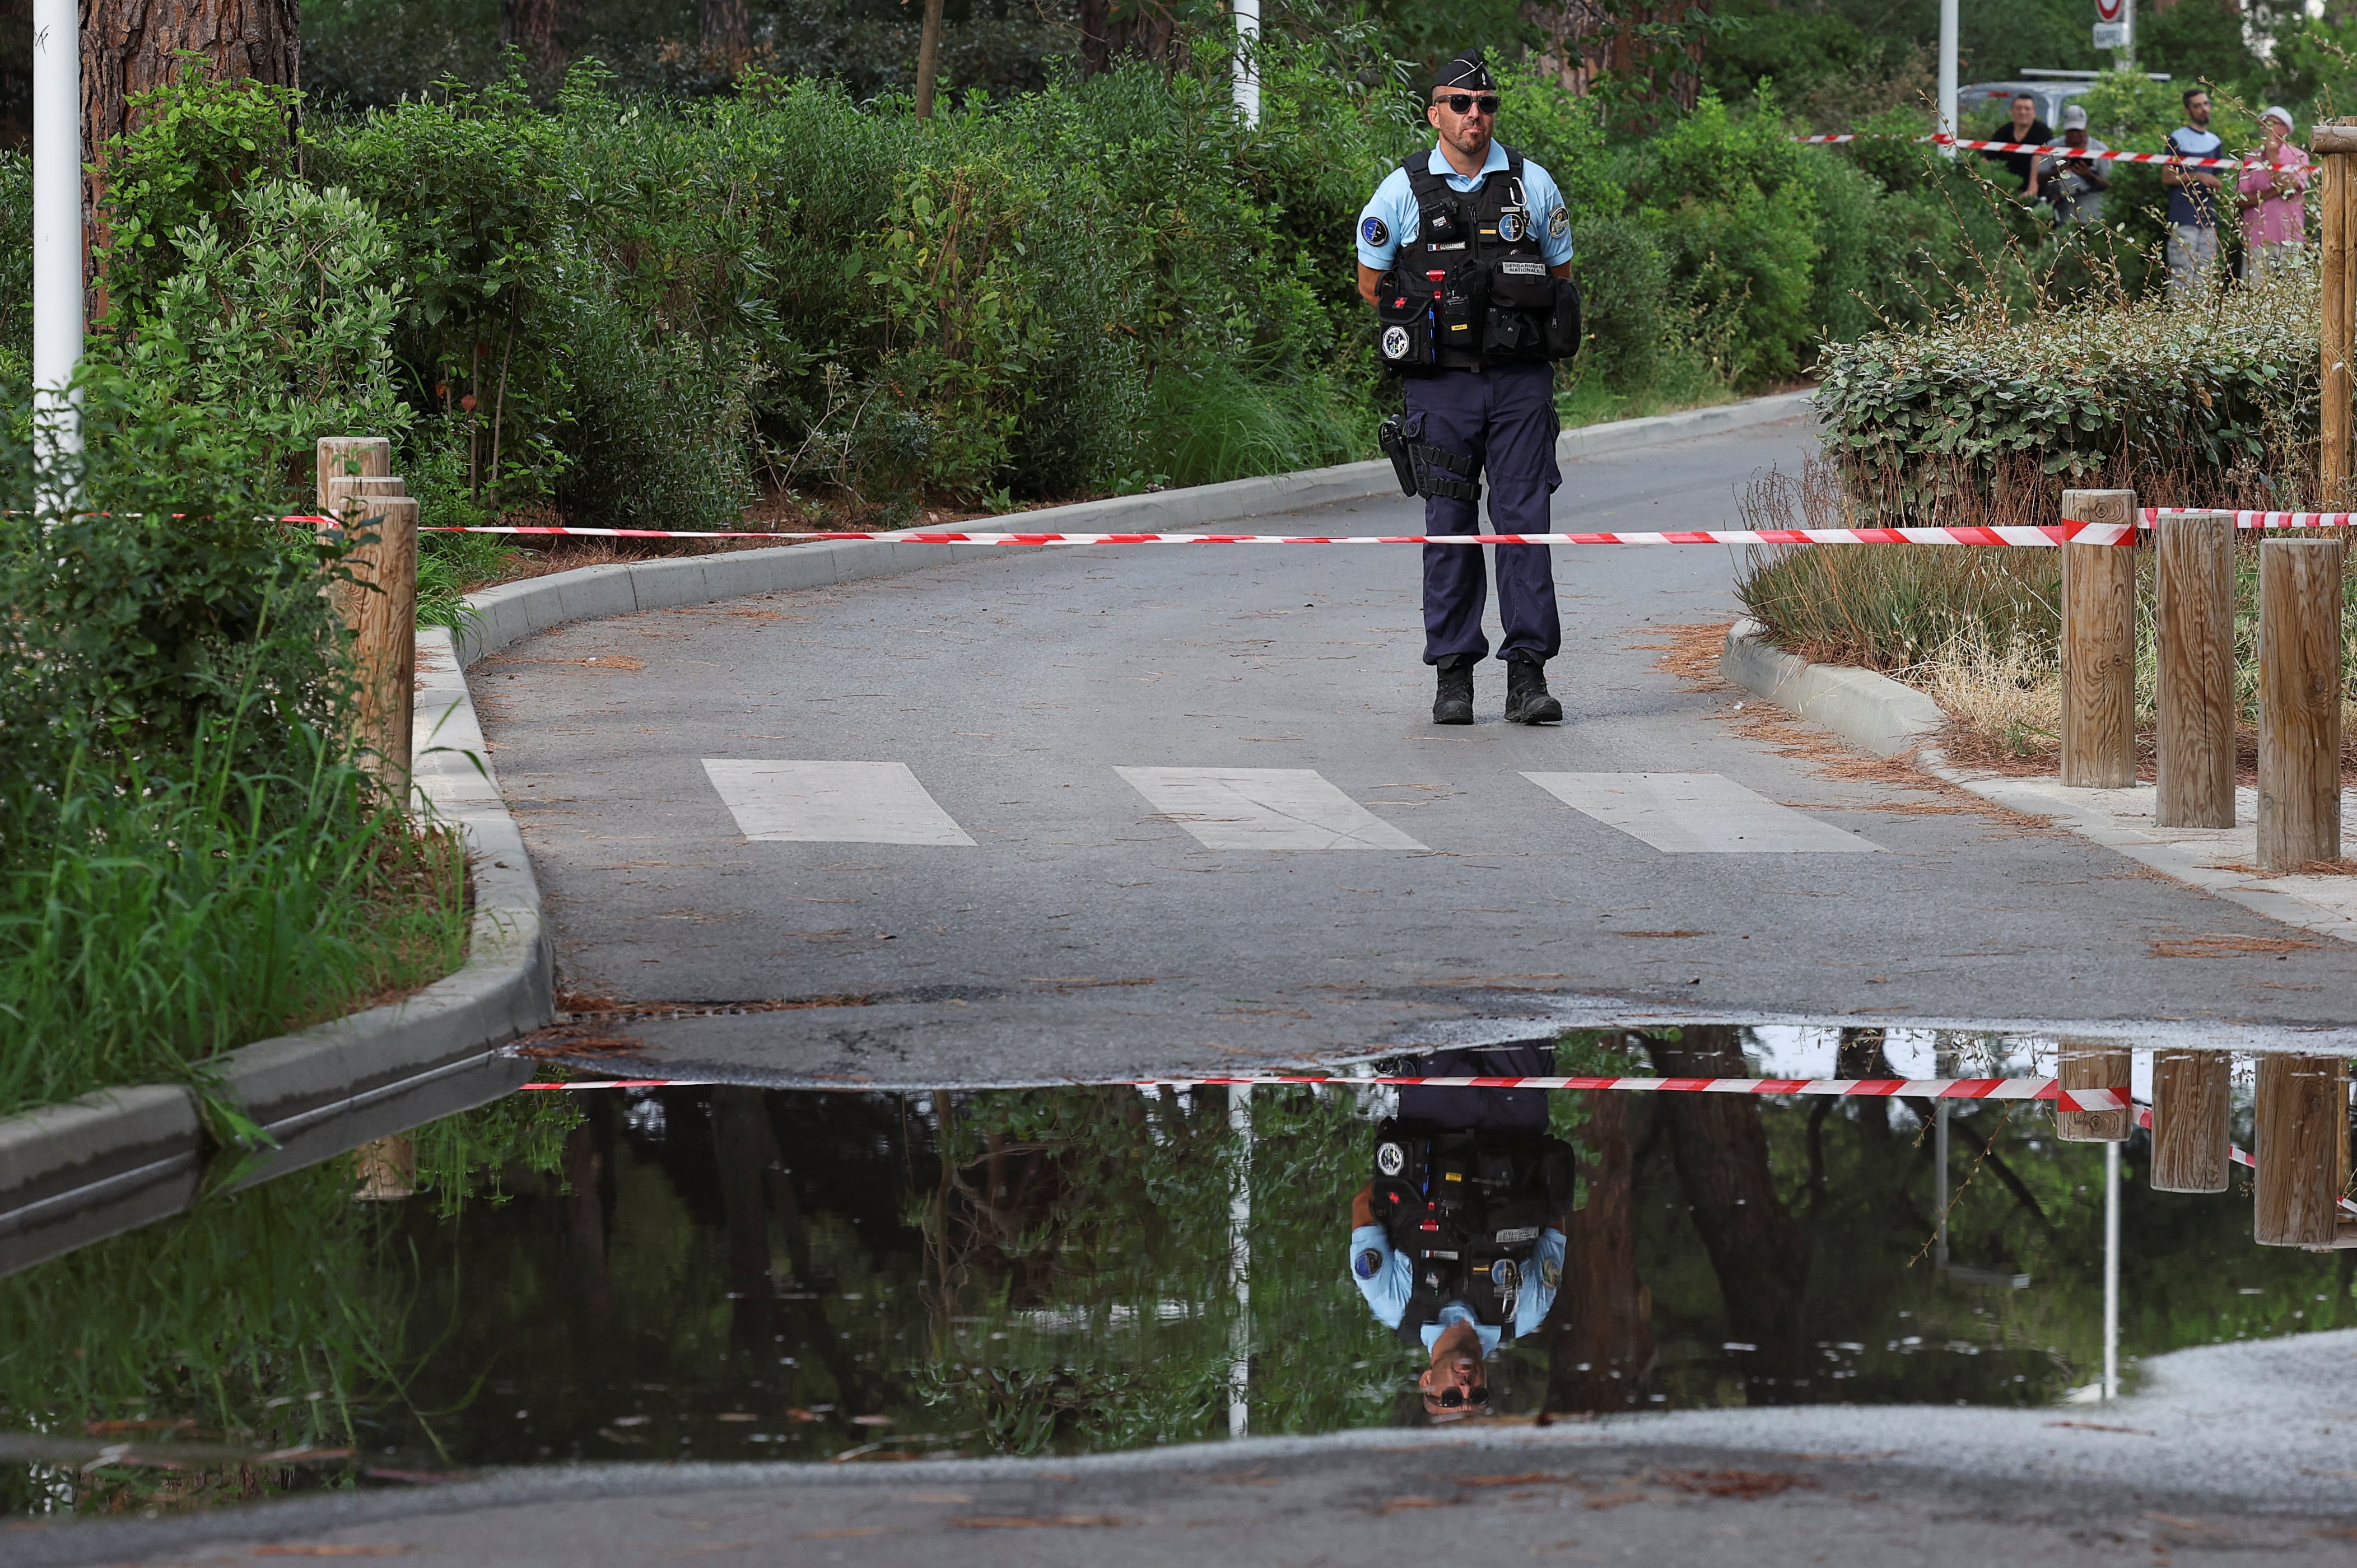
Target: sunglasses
[[1465, 103], [1457, 1398]]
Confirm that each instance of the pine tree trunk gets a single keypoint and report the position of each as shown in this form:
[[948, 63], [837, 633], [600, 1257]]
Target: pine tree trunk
[[1600, 1345], [130, 47], [722, 30], [1759, 1254], [530, 27]]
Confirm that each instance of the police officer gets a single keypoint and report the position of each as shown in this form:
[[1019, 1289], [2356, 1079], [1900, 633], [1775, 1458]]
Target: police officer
[[1465, 252], [1457, 1243]]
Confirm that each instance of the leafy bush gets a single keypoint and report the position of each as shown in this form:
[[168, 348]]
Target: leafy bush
[[2213, 404]]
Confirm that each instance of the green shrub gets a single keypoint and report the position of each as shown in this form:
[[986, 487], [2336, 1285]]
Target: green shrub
[[1733, 208], [279, 319], [15, 267], [1624, 286], [1999, 408]]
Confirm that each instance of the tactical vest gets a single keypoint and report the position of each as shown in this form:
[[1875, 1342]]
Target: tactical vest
[[1471, 289], [1466, 1209]]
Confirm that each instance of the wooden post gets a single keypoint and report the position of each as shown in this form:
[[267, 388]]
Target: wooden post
[[2195, 762], [356, 456], [2191, 1098], [2302, 1137], [2300, 702], [386, 1168], [2336, 150], [2099, 623], [2094, 1066], [381, 607]]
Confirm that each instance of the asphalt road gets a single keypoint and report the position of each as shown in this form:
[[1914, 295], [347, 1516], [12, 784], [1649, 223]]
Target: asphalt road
[[2236, 1453], [1163, 808]]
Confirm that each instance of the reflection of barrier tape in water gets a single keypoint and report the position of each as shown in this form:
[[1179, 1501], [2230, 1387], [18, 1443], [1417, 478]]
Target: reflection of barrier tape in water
[[1859, 1088], [2105, 154], [2237, 1155], [2066, 532]]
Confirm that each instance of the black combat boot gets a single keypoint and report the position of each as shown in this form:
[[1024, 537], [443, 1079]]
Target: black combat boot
[[1454, 702], [1527, 702]]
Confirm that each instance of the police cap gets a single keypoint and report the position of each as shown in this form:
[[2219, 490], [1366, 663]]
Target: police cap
[[1468, 72]]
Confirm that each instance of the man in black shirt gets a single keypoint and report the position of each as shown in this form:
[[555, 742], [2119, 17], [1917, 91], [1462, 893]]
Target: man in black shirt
[[2025, 126]]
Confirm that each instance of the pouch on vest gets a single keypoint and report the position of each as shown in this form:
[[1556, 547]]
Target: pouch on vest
[[1402, 325], [1562, 329], [1464, 302]]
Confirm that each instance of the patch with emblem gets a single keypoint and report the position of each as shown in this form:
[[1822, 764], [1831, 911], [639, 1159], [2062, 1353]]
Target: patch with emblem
[[1510, 226], [1558, 223], [1374, 230], [1367, 1264], [1550, 1273], [1394, 348]]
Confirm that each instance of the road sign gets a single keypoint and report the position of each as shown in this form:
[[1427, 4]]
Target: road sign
[[2108, 10], [2111, 35]]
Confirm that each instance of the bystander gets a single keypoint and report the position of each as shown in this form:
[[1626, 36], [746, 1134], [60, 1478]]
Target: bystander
[[2024, 126], [2192, 200], [2273, 199], [2066, 178]]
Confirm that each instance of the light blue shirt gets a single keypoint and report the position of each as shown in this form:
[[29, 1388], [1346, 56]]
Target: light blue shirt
[[1389, 216], [1390, 1281]]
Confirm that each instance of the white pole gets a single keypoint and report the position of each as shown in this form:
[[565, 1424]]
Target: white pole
[[2111, 1271], [1240, 1263], [1948, 72], [58, 246], [1247, 70], [2127, 56]]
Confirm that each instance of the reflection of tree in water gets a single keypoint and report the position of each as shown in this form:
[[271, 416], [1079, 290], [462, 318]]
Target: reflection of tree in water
[[1077, 1267], [1602, 1349]]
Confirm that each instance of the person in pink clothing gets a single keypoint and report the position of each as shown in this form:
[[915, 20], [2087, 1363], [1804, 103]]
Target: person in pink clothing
[[2274, 200]]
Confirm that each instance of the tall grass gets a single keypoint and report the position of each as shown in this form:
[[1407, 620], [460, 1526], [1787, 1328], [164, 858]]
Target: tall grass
[[174, 918]]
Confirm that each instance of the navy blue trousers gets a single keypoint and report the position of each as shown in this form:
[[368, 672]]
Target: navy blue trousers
[[1504, 419]]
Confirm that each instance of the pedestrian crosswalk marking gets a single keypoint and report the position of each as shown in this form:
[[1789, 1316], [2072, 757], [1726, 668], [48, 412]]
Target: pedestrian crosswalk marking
[[1262, 808], [831, 802], [1697, 813]]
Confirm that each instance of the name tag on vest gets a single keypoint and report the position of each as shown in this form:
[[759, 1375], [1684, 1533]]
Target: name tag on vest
[[1523, 269], [1523, 1233]]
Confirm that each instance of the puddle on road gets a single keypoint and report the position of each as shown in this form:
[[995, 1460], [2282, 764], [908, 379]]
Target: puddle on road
[[732, 1274]]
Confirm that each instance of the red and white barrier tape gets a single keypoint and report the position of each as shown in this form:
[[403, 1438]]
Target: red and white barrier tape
[[2065, 532], [1867, 1088], [2236, 1154], [2106, 154], [2257, 520]]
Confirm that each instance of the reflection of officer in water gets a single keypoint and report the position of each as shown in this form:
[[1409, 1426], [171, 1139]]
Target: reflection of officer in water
[[1465, 252], [1458, 1241]]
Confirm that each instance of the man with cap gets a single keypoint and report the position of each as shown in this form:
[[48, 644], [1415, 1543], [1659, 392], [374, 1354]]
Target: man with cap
[[1465, 252], [2073, 183], [2272, 196]]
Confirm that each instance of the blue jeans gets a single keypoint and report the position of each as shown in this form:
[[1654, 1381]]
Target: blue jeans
[[1503, 419]]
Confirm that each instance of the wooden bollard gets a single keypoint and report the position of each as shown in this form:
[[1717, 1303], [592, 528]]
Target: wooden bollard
[[385, 1169], [2300, 702], [2302, 1137], [380, 605], [352, 456], [2099, 624], [2336, 150], [2191, 1101], [2195, 762], [2093, 1067]]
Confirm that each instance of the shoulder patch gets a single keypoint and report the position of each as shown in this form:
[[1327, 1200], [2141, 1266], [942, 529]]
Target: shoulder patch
[[1374, 230], [1558, 223], [1369, 1263], [1550, 1273]]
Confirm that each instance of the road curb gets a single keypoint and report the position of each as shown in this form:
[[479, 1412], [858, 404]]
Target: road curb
[[498, 617], [1879, 715], [1871, 712], [93, 1167]]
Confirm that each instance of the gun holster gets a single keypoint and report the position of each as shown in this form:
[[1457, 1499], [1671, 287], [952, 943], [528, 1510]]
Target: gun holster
[[1422, 468]]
